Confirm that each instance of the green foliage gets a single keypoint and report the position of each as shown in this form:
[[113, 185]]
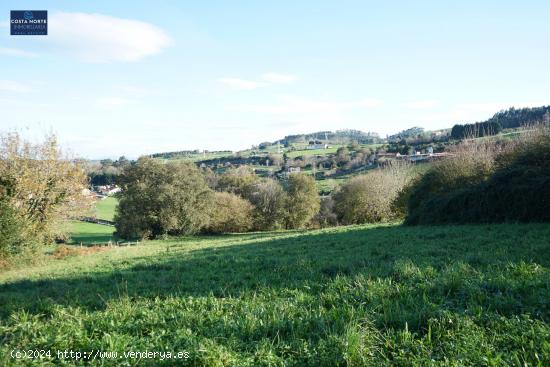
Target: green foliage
[[369, 198], [157, 198], [326, 216], [475, 187], [239, 181], [302, 200], [350, 296], [268, 198], [14, 240], [230, 214], [513, 118], [479, 129], [41, 187]]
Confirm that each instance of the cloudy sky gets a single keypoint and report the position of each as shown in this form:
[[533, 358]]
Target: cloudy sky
[[143, 76]]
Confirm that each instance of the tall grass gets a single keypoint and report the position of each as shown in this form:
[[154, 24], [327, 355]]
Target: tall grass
[[349, 296]]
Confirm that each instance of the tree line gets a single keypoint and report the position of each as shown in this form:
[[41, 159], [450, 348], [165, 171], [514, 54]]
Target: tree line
[[482, 181]]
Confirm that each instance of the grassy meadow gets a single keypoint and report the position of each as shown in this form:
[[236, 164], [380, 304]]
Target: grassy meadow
[[90, 233], [105, 208], [351, 296]]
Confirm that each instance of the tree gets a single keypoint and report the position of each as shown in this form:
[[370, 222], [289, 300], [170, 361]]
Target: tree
[[369, 198], [230, 214], [268, 198], [342, 155], [157, 198], [42, 186], [239, 181], [13, 237], [302, 200]]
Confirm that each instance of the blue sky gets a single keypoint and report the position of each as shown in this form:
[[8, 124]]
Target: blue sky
[[132, 78]]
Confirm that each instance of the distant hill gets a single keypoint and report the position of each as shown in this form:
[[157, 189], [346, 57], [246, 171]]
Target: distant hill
[[512, 118], [334, 137], [409, 133], [506, 119]]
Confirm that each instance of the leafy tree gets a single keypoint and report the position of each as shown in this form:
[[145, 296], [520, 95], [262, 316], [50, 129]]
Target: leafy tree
[[239, 181], [230, 213], [157, 198], [342, 155], [13, 238], [302, 200], [369, 198], [268, 198], [42, 186]]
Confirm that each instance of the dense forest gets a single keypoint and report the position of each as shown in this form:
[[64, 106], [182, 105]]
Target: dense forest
[[508, 119]]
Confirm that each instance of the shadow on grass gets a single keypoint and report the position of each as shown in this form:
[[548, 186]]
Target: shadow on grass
[[422, 260]]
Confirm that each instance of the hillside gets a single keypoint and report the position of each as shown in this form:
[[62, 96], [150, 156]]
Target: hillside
[[360, 295]]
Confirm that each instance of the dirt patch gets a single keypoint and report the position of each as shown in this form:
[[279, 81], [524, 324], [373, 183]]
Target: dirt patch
[[64, 251]]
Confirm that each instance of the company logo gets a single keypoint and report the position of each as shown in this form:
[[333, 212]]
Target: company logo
[[29, 23]]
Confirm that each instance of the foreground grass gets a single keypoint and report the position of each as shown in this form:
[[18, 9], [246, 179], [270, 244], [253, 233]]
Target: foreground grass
[[448, 295]]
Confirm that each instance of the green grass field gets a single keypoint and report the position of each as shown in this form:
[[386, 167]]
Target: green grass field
[[308, 152], [349, 296], [105, 208], [90, 233]]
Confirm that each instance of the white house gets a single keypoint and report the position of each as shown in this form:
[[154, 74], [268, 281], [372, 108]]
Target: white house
[[316, 144]]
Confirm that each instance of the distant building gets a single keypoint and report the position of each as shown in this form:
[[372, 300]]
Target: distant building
[[107, 190], [317, 144]]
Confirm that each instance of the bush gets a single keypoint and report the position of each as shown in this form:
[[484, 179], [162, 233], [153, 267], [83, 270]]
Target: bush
[[239, 181], [326, 216], [162, 198], [230, 213], [41, 185], [368, 198], [14, 240], [302, 200], [510, 184], [268, 198]]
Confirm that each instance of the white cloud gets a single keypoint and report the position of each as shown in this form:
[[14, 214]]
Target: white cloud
[[102, 38], [243, 84], [276, 78], [16, 52], [13, 86], [423, 104]]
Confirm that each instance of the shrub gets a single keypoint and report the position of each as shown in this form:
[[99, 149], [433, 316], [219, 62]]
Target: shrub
[[14, 240], [302, 200], [268, 198], [510, 184], [368, 198], [239, 181], [42, 186], [158, 198], [326, 216], [230, 213]]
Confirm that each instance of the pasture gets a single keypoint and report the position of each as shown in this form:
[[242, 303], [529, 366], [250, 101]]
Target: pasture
[[105, 208], [90, 233], [352, 296]]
